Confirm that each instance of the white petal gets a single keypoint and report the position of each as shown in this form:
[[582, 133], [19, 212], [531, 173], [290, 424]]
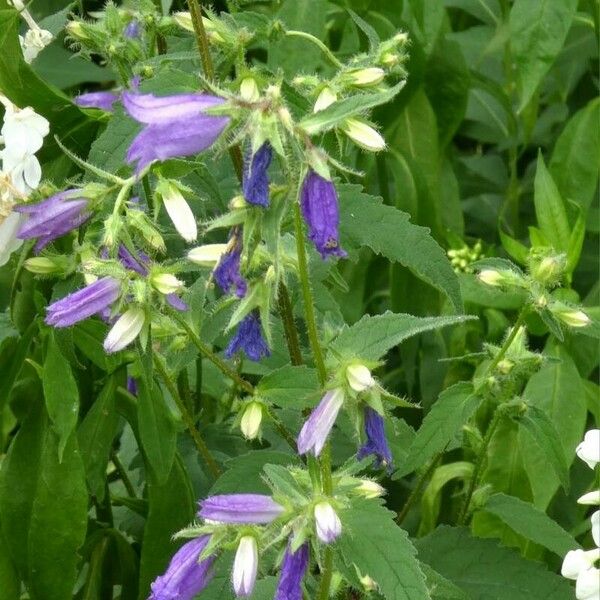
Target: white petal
[[589, 449], [182, 216], [588, 585], [125, 330], [596, 527], [8, 240], [32, 172]]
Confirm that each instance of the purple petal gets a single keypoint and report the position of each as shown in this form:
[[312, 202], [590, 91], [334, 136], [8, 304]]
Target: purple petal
[[132, 30], [227, 272], [129, 261], [293, 569], [176, 302], [256, 180], [102, 100], [248, 338], [317, 427], [376, 443], [240, 508]]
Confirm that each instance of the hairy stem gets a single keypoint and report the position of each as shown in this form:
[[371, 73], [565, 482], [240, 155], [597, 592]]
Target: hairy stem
[[122, 474], [289, 325], [318, 43]]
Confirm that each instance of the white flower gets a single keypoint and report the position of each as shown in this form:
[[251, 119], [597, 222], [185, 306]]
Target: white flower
[[359, 378], [326, 98], [8, 236], [34, 42], [329, 526], [181, 214], [577, 561], [207, 255], [245, 566], [166, 283], [251, 420], [587, 586], [364, 135], [572, 318], [589, 449], [23, 169], [590, 498], [125, 330], [368, 76], [370, 489], [595, 519], [184, 20], [23, 130]]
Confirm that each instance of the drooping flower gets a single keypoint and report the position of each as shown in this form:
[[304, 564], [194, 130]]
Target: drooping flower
[[376, 442], [317, 427], [363, 134], [245, 567], [83, 303], [227, 272], [101, 100], [248, 338], [186, 576], [176, 302], [179, 212], [293, 570], [175, 125], [255, 183], [53, 217], [134, 263], [207, 255], [166, 283], [319, 203], [126, 328], [240, 508], [251, 420], [589, 449], [329, 526]]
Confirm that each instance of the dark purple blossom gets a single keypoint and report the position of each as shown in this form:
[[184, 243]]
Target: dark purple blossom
[[293, 570], [53, 217], [256, 179], [102, 100], [227, 272], [175, 125], [185, 576], [138, 263], [319, 202], [248, 338], [376, 443], [132, 386], [132, 29], [240, 508], [92, 299]]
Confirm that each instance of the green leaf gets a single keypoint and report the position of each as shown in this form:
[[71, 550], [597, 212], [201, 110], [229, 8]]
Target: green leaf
[[373, 336], [550, 209], [538, 29], [58, 521], [290, 387], [88, 337], [439, 587], [377, 547], [60, 392], [10, 584], [366, 221], [96, 434], [485, 570], [574, 164], [445, 419], [171, 508], [531, 522]]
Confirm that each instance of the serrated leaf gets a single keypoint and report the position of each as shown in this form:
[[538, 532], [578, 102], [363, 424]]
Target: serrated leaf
[[531, 522], [366, 221], [373, 336], [290, 387], [485, 570], [379, 548], [451, 411]]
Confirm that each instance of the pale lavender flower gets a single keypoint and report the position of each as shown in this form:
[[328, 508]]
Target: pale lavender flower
[[329, 526], [92, 299], [53, 217], [255, 183], [227, 272], [317, 427], [240, 508], [319, 203], [293, 570], [248, 338], [132, 29], [186, 576], [175, 125], [101, 100], [176, 302], [376, 443]]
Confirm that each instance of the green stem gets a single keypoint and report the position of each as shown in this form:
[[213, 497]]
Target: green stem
[[289, 326], [211, 463], [507, 343], [317, 42], [122, 474]]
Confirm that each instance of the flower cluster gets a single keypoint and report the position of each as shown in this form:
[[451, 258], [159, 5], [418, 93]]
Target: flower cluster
[[581, 565], [35, 38]]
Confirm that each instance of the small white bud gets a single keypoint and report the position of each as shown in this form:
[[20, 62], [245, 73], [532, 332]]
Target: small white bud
[[572, 318], [490, 277], [390, 59], [359, 378], [251, 420], [589, 450], [367, 77], [364, 135], [368, 583], [329, 526], [249, 89], [166, 283], [370, 489], [326, 98], [207, 255], [180, 213], [590, 498], [245, 567], [125, 330], [184, 20], [42, 265]]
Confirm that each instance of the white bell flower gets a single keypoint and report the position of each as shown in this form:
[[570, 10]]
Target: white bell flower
[[23, 129], [359, 378], [34, 41], [587, 586], [329, 526], [23, 168], [589, 449], [207, 255], [245, 567], [181, 214], [591, 498], [8, 236], [125, 330]]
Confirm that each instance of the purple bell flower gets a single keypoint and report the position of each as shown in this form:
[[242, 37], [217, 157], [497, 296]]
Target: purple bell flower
[[133, 263], [92, 299], [248, 338], [240, 508], [319, 203], [175, 126], [176, 302], [255, 184], [132, 386], [376, 443], [101, 100], [132, 29], [227, 272], [293, 569], [53, 217], [185, 576], [317, 427]]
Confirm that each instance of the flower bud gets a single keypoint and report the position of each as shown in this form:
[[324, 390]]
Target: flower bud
[[590, 498], [237, 203], [366, 77], [74, 29], [364, 135], [326, 98], [571, 317], [390, 59], [329, 526], [370, 489], [166, 283], [139, 221], [359, 378], [42, 265], [589, 450], [180, 212], [245, 567], [549, 269], [249, 89], [251, 420], [125, 330], [368, 583], [207, 255], [184, 20], [491, 277]]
